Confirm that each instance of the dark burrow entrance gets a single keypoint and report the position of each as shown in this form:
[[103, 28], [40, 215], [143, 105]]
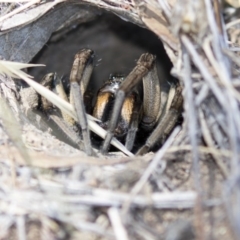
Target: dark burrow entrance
[[117, 45]]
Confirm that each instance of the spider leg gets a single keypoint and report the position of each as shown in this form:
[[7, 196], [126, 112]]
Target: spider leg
[[67, 130], [61, 93], [48, 81], [144, 65], [151, 99], [79, 78], [151, 105], [131, 135], [167, 121]]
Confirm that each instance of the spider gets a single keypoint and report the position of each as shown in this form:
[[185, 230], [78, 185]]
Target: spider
[[119, 105]]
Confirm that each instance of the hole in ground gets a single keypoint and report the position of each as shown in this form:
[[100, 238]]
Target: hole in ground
[[117, 45]]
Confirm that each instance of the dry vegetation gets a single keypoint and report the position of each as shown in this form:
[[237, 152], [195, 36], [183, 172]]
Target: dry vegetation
[[189, 189]]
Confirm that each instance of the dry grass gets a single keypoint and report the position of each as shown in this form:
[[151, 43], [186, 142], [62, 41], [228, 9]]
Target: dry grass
[[52, 191]]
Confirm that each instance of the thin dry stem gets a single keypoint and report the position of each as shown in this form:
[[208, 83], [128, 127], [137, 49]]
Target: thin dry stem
[[19, 9], [119, 229]]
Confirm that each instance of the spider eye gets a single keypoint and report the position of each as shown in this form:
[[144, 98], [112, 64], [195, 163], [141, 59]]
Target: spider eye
[[116, 77], [112, 76]]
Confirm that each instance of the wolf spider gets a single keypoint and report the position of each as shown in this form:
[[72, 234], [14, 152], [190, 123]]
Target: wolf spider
[[119, 104]]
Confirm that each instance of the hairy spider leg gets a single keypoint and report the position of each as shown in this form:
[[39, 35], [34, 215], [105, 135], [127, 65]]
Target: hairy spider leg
[[133, 127], [144, 65], [60, 91], [48, 81], [79, 79], [167, 120], [151, 99], [150, 112]]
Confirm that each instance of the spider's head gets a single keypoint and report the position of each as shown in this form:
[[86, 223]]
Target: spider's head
[[113, 83], [116, 77]]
